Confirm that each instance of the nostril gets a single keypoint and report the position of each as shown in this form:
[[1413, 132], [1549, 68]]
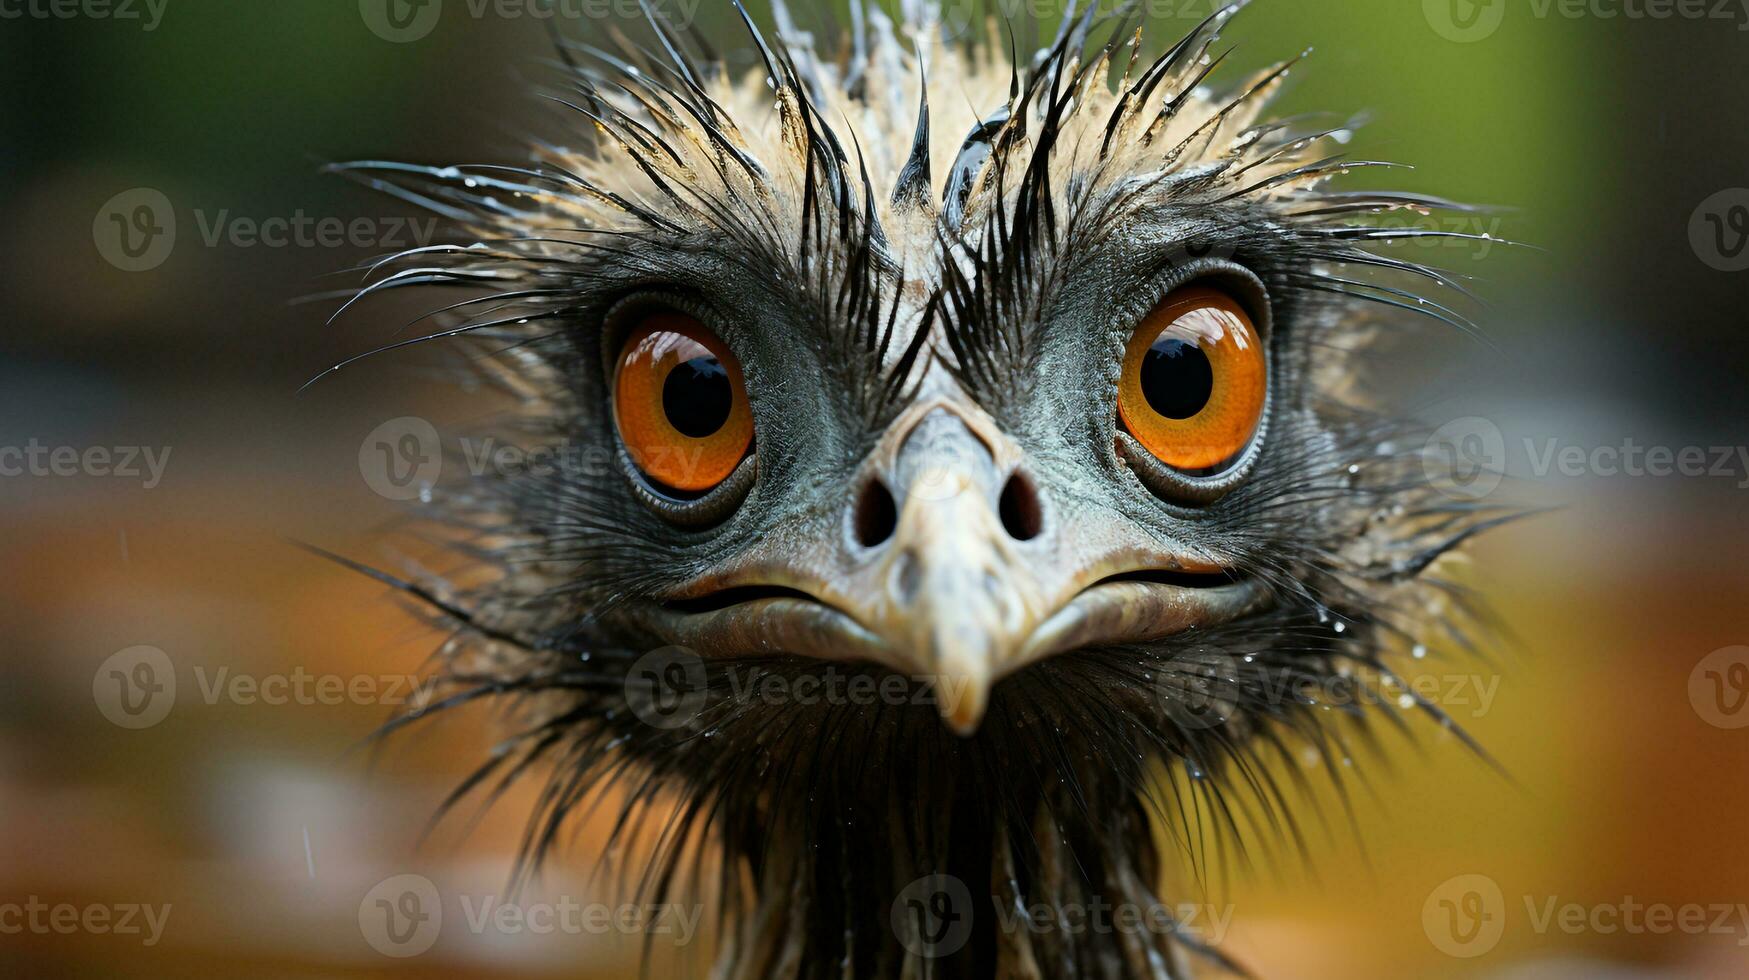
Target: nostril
[[1022, 515], [877, 516]]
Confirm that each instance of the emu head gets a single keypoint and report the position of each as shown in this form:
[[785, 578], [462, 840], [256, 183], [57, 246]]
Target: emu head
[[957, 474]]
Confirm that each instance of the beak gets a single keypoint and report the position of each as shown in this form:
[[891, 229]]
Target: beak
[[954, 588], [957, 571]]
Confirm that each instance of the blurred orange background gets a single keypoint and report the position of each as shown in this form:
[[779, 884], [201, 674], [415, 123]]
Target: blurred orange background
[[263, 827]]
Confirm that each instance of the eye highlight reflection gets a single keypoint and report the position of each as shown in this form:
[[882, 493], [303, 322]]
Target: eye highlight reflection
[[680, 403], [1194, 380]]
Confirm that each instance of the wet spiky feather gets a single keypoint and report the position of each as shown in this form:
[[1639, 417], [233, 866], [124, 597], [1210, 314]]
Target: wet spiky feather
[[907, 222]]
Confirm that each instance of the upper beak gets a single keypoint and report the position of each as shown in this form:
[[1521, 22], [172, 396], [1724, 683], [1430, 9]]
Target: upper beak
[[955, 590], [963, 576]]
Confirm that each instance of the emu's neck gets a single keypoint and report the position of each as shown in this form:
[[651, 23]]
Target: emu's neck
[[963, 886]]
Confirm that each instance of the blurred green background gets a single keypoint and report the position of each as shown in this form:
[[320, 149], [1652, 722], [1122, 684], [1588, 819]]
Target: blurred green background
[[1598, 136]]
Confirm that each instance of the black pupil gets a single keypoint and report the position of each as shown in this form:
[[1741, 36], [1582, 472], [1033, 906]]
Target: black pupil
[[1176, 378], [696, 397]]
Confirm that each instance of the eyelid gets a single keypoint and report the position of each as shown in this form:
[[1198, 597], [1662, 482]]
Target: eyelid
[[624, 315], [1244, 286]]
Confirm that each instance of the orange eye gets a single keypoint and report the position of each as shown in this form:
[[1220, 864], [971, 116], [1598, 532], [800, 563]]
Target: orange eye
[[1194, 380], [680, 404]]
